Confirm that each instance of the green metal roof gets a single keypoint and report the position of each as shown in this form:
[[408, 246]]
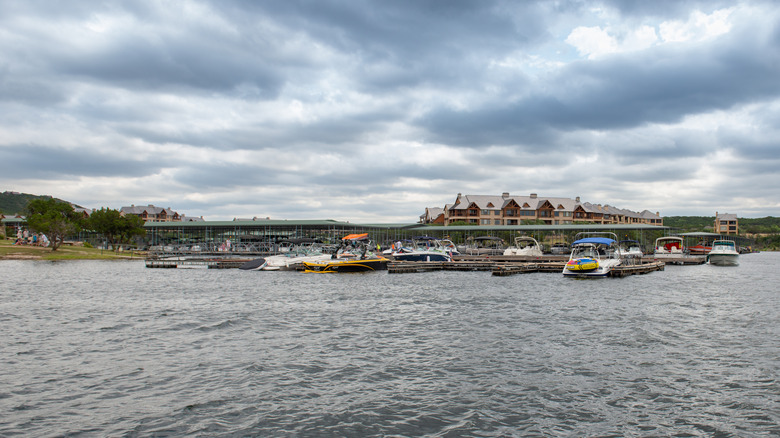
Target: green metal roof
[[260, 223], [408, 226], [541, 227]]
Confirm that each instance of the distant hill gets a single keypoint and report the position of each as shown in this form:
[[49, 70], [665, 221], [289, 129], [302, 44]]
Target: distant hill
[[12, 203], [691, 223]]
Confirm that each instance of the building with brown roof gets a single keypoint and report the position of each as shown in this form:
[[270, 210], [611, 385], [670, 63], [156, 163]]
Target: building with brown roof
[[507, 209]]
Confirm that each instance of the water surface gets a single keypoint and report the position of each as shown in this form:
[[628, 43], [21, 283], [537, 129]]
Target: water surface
[[98, 348]]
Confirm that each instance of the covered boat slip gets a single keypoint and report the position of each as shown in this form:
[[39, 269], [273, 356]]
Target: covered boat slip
[[260, 236]]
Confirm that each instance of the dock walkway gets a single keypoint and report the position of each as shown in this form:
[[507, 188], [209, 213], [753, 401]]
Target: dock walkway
[[502, 268]]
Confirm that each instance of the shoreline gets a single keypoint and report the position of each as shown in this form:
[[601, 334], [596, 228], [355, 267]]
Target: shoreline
[[9, 251]]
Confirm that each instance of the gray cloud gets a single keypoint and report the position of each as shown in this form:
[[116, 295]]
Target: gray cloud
[[333, 102], [47, 162]]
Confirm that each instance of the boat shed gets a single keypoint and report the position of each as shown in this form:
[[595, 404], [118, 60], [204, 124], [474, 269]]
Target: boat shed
[[248, 232]]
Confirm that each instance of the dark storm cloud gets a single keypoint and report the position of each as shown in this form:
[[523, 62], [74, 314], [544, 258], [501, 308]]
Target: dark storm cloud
[[28, 161], [664, 8]]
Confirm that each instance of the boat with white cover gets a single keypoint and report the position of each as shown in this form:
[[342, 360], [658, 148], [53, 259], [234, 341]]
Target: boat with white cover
[[668, 247], [524, 246], [631, 249]]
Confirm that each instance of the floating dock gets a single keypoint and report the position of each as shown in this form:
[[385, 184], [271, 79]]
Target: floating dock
[[195, 263], [503, 268]]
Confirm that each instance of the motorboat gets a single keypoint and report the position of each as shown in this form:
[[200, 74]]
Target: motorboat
[[423, 249], [700, 248], [560, 248], [723, 253], [354, 254], [524, 246], [631, 249], [483, 245], [594, 255], [254, 265], [302, 250], [668, 247], [346, 265]]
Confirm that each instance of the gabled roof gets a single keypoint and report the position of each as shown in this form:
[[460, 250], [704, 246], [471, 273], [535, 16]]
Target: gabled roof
[[149, 209], [647, 214], [726, 217]]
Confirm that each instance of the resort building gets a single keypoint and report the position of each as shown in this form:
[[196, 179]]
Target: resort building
[[726, 223], [507, 209], [150, 213], [433, 215]]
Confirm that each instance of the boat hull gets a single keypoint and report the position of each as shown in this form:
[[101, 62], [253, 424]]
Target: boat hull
[[254, 265], [422, 257], [345, 266], [602, 269], [723, 259]]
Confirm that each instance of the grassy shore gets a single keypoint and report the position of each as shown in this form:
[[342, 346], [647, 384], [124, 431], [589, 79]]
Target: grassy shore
[[9, 251]]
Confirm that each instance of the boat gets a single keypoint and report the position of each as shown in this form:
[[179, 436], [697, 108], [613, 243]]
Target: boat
[[354, 254], [630, 249], [483, 245], [294, 253], [524, 246], [723, 253], [423, 249], [668, 247], [560, 248], [254, 265], [700, 248], [593, 255]]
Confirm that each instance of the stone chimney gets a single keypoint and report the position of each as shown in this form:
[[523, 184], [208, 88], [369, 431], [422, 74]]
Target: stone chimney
[[577, 199], [533, 195], [505, 195]]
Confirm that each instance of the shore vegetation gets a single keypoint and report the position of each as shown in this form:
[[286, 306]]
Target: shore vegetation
[[10, 251]]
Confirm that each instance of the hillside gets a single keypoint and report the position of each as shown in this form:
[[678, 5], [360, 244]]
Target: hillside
[[12, 203]]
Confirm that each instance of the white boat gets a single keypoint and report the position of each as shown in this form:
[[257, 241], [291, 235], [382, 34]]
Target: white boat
[[423, 249], [301, 252], [668, 247], [560, 248], [483, 246], [593, 256], [631, 249], [524, 246], [723, 253]]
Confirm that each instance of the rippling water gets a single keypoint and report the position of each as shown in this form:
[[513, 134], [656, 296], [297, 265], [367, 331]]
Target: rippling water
[[115, 349]]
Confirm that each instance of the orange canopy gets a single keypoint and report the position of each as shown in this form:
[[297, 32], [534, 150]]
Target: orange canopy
[[355, 236]]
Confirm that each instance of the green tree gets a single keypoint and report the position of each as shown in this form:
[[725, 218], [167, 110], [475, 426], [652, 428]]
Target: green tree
[[56, 219], [114, 227]]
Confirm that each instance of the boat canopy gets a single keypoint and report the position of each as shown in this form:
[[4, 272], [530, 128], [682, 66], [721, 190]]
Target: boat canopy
[[596, 240], [362, 236]]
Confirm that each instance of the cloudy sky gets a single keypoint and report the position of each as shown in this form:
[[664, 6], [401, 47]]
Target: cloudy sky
[[370, 111]]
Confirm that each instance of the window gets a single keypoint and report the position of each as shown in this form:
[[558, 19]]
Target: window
[[497, 222], [485, 222], [485, 212]]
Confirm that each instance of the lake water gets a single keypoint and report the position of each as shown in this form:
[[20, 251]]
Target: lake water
[[95, 348]]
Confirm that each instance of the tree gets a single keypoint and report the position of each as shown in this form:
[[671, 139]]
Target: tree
[[114, 227], [56, 219]]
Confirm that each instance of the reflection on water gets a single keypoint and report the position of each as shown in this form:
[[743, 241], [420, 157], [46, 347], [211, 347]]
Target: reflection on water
[[113, 348]]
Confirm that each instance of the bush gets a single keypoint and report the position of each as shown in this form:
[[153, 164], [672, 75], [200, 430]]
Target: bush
[[87, 245]]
